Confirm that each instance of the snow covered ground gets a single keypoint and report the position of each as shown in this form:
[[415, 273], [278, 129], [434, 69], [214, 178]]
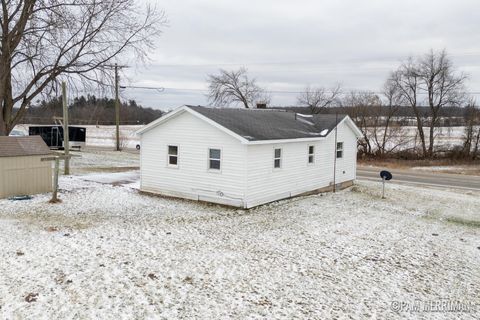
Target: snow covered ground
[[103, 161], [103, 136], [110, 252], [458, 169]]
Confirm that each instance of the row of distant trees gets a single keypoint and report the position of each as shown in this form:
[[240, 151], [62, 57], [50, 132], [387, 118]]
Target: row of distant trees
[[90, 110], [428, 87], [45, 42]]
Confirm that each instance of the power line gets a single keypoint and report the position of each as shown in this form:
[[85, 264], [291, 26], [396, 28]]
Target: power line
[[347, 91]]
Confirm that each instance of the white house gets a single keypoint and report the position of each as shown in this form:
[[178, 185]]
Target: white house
[[245, 157]]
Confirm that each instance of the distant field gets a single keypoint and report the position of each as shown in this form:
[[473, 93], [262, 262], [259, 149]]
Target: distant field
[[445, 137], [104, 136]]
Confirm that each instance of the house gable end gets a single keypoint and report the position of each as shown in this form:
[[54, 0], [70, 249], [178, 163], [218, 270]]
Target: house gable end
[[182, 110]]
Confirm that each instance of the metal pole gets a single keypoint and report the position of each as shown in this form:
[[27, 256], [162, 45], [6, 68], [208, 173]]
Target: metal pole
[[66, 134], [383, 189], [117, 109], [335, 155], [55, 181]]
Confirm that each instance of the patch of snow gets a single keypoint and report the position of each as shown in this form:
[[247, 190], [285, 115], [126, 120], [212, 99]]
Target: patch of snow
[[111, 252], [459, 168], [127, 177]]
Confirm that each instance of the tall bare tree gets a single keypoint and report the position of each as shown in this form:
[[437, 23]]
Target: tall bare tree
[[471, 139], [443, 86], [387, 134], [318, 98], [362, 106], [43, 41], [235, 87], [434, 77], [407, 80]]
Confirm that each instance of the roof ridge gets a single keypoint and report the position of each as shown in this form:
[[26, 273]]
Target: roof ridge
[[238, 109]]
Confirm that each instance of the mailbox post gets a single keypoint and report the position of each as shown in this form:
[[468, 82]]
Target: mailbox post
[[56, 170], [386, 176]]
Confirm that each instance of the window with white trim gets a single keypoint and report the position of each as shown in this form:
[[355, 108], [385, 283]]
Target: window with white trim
[[277, 158], [339, 149], [173, 156], [311, 154], [214, 159]]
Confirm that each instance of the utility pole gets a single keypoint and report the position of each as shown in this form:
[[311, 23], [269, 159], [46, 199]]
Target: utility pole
[[66, 136], [117, 109], [117, 102]]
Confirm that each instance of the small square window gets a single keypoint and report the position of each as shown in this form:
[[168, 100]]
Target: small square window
[[173, 150], [278, 153], [173, 155], [311, 154], [215, 164], [277, 158], [173, 160], [277, 163], [215, 153], [214, 159], [339, 149]]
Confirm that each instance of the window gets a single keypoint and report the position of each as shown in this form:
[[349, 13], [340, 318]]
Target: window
[[214, 159], [311, 154], [277, 158], [173, 156], [339, 149]]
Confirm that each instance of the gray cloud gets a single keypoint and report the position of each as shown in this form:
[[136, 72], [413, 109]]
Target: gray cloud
[[287, 45]]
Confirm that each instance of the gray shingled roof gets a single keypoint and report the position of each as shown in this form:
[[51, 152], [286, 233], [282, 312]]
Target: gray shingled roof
[[23, 146], [268, 124]]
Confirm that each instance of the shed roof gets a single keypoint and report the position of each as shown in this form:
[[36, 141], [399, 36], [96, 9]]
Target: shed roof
[[23, 146], [268, 124]]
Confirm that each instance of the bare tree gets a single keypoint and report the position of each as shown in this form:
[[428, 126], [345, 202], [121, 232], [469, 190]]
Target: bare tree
[[318, 98], [387, 134], [363, 105], [434, 76], [444, 87], [407, 81], [471, 139], [44, 41], [235, 87]]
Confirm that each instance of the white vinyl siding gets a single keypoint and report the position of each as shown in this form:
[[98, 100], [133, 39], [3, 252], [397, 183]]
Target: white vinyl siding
[[248, 177], [192, 179], [296, 177]]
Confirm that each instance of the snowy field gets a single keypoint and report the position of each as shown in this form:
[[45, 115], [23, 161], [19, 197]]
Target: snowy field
[[86, 161], [104, 136], [110, 252], [458, 169]]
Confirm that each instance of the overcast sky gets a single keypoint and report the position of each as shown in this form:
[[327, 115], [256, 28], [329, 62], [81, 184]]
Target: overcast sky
[[287, 45]]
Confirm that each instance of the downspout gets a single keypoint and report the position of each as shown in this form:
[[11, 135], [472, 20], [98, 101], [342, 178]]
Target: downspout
[[335, 155]]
